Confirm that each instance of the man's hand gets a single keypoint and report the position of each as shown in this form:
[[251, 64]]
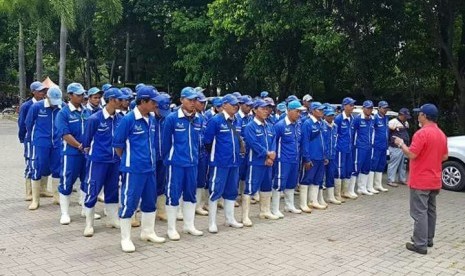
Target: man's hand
[[398, 141], [271, 155], [268, 162], [308, 165], [326, 162]]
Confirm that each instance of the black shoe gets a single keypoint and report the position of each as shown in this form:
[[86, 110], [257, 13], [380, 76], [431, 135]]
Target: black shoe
[[410, 246], [430, 244]]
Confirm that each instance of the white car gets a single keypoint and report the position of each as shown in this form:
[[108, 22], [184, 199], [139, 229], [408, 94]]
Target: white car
[[453, 169]]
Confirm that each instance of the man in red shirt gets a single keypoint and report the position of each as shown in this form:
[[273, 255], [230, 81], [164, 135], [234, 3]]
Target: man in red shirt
[[426, 153]]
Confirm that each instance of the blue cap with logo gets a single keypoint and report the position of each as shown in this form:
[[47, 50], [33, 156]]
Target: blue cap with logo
[[128, 92], [105, 87], [317, 105], [264, 94], [295, 105], [93, 91], [217, 102], [139, 86], [55, 95], [147, 92], [383, 104], [428, 109], [75, 88], [188, 93], [291, 98], [201, 97], [281, 107], [245, 99], [199, 89], [230, 99], [260, 103], [348, 101], [269, 101], [37, 86], [237, 94], [114, 93], [163, 100], [329, 111], [368, 104]]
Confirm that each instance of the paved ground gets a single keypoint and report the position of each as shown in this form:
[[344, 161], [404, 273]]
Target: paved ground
[[362, 237]]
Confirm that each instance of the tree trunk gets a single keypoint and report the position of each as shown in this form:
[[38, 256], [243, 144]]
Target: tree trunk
[[62, 63], [112, 71], [39, 56], [88, 76], [21, 65], [126, 66]]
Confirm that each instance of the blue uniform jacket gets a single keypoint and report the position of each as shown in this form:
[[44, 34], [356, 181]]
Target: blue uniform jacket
[[40, 125], [23, 110], [181, 139], [330, 137], [381, 135], [71, 120], [202, 150], [313, 146], [287, 141], [363, 131], [93, 109], [344, 127], [225, 150], [159, 123], [260, 139], [98, 137], [136, 136]]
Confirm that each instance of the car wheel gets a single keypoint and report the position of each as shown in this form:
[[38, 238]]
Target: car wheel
[[453, 176]]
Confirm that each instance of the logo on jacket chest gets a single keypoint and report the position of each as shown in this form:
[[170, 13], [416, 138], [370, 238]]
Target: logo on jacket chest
[[180, 125]]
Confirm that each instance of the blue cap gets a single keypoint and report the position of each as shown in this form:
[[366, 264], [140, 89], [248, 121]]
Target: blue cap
[[127, 92], [114, 93], [329, 111], [246, 99], [147, 92], [269, 101], [75, 88], [139, 86], [404, 111], [188, 93], [93, 91], [86, 96], [217, 102], [260, 103], [295, 105], [237, 94], [281, 107], [428, 109], [317, 105], [163, 101], [368, 104], [105, 87], [264, 94], [201, 97], [230, 99], [348, 100], [199, 89], [291, 98], [37, 86], [55, 95], [383, 104]]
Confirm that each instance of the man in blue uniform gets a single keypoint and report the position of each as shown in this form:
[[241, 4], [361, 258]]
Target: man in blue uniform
[[380, 147], [93, 103], [314, 160], [103, 162], [38, 91], [224, 144], [344, 147], [287, 159], [217, 107], [70, 124], [134, 143], [363, 136], [181, 154], [45, 141], [329, 137], [260, 139]]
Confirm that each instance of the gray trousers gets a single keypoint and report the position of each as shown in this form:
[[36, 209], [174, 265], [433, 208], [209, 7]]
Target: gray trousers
[[396, 165], [423, 212]]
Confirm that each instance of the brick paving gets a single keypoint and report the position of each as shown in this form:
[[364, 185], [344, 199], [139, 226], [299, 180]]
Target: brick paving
[[362, 237]]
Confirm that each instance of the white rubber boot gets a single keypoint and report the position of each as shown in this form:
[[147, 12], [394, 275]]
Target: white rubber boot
[[171, 212], [212, 209], [200, 197], [161, 211], [289, 202], [275, 198], [126, 243], [147, 228], [351, 190], [56, 197], [330, 196], [321, 199], [345, 188], [229, 214], [303, 195], [245, 210], [362, 184], [64, 206], [314, 189], [265, 206], [135, 222], [44, 187], [28, 189], [179, 215], [221, 203], [188, 210], [35, 189], [255, 198], [89, 230], [370, 187], [338, 190], [378, 182], [112, 215]]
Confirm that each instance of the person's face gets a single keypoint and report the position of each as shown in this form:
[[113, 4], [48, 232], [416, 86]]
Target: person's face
[[329, 119], [383, 110], [421, 118], [230, 109], [367, 111], [270, 109], [40, 95], [125, 104], [246, 108], [84, 101], [402, 117], [95, 99], [306, 104], [293, 115], [317, 113], [149, 106], [219, 109], [199, 106], [349, 108], [188, 105], [75, 99], [261, 113], [115, 103]]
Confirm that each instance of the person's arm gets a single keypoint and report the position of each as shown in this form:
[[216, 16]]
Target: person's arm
[[167, 135], [120, 137], [252, 141], [415, 148]]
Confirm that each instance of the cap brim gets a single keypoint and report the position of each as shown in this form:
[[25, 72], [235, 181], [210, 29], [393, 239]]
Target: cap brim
[[203, 100], [40, 88], [194, 97], [55, 101]]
